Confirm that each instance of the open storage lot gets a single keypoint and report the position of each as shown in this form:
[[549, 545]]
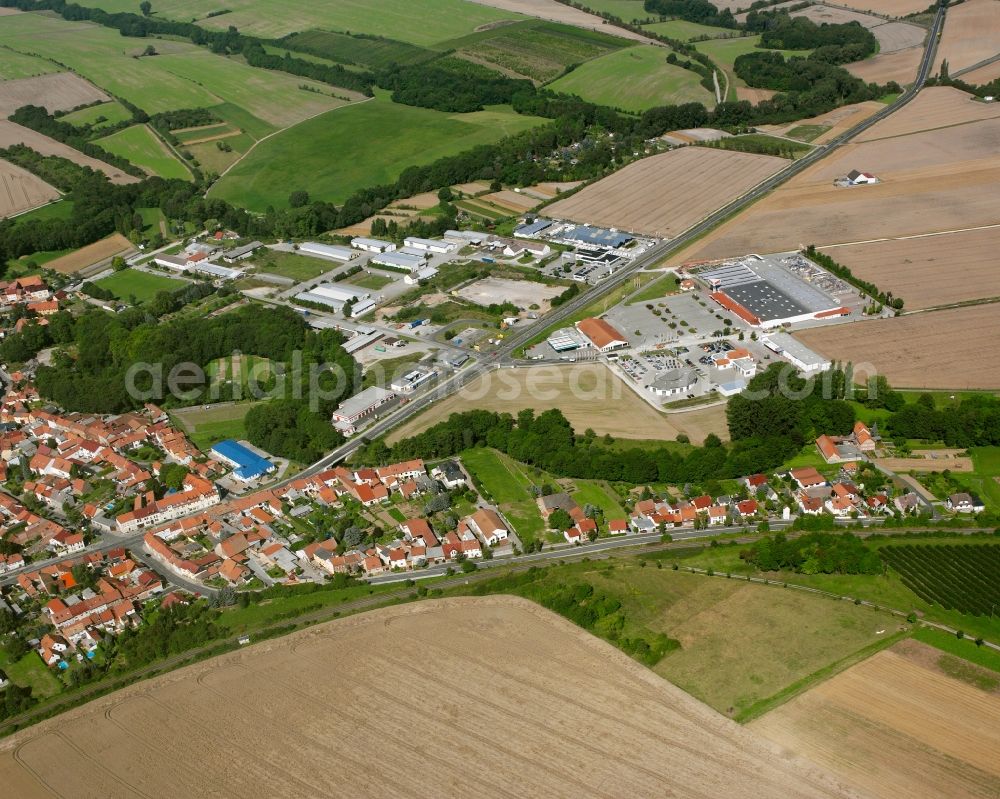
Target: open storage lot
[[928, 271], [937, 349], [897, 726], [665, 194], [302, 696], [523, 293]]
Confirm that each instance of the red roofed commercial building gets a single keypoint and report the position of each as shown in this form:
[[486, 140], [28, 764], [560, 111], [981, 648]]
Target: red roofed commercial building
[[730, 304], [601, 335]]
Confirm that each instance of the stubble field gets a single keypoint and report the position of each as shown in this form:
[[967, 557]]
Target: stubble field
[[545, 709], [971, 34], [892, 8], [16, 134], [937, 349], [897, 726], [20, 190], [91, 254], [666, 194], [588, 394], [900, 66], [928, 271], [837, 121], [60, 91]]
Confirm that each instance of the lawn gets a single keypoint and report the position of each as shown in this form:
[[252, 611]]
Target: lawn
[[14, 65], [141, 285], [112, 112], [685, 31], [30, 671], [143, 148], [600, 496], [657, 290], [370, 280], [292, 265], [425, 23], [634, 79], [508, 486], [367, 144], [983, 479]]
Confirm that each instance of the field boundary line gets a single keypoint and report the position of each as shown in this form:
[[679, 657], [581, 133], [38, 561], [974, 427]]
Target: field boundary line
[[929, 130], [907, 238]]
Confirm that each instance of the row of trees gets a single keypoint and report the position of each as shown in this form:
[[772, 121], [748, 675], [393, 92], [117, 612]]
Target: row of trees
[[843, 272], [814, 553]]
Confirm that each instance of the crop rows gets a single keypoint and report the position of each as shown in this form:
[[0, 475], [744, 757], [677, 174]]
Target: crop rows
[[965, 578]]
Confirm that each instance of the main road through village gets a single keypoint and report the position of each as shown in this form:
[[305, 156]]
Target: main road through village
[[504, 356]]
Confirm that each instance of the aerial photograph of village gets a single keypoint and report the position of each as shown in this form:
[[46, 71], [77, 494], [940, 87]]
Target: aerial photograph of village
[[500, 398]]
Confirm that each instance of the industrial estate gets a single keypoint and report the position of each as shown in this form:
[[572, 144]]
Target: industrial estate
[[634, 362]]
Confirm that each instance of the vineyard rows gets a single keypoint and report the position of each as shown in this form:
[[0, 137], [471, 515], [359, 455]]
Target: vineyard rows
[[965, 578]]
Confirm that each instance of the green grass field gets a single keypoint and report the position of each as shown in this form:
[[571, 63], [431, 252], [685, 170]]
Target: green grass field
[[142, 285], [724, 53], [600, 496], [30, 671], [508, 486], [983, 479], [60, 209], [14, 65], [634, 80], [363, 145], [144, 149], [206, 427], [372, 281], [374, 53], [189, 135], [112, 112], [808, 132], [292, 265], [685, 31], [656, 290], [430, 22]]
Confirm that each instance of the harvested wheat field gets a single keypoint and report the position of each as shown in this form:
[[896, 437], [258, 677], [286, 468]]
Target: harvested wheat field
[[665, 194], [90, 255], [933, 349], [838, 121], [560, 12], [21, 191], [896, 725], [512, 200], [934, 108], [932, 270], [821, 14], [588, 394], [900, 66], [932, 181], [891, 8], [895, 36], [754, 95], [275, 720], [929, 463], [60, 91], [981, 75], [971, 34], [16, 134]]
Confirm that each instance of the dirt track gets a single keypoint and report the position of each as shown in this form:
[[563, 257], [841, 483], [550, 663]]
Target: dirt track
[[464, 697], [897, 726]]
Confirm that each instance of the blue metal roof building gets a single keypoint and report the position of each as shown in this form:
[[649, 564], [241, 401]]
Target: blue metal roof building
[[247, 465], [601, 237]]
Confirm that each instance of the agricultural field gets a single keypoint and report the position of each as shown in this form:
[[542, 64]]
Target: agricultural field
[[376, 53], [112, 112], [20, 190], [895, 36], [971, 34], [985, 74], [896, 725], [535, 49], [820, 129], [103, 250], [891, 8], [684, 31], [965, 578], [922, 269], [665, 194], [369, 150], [144, 148], [141, 285], [934, 108], [179, 77], [933, 179], [11, 133], [634, 79], [933, 350], [589, 395], [823, 14], [555, 11], [627, 10], [900, 66], [724, 53], [14, 65], [281, 691], [60, 91]]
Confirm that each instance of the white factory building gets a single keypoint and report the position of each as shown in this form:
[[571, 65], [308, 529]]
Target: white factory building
[[354, 409], [400, 260], [336, 296], [796, 353], [439, 246], [372, 245], [326, 251]]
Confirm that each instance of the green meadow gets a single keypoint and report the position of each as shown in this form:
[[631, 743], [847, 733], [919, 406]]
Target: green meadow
[[14, 65], [135, 283], [144, 149], [109, 113]]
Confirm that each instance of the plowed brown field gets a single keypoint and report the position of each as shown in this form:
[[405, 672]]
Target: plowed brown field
[[666, 194], [491, 697], [971, 34], [927, 271], [937, 349], [896, 726], [20, 190]]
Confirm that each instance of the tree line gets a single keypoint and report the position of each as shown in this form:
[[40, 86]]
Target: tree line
[[814, 553]]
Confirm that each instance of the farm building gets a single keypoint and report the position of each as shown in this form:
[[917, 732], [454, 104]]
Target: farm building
[[856, 178], [399, 260], [372, 245], [353, 410], [601, 335], [673, 382], [326, 251], [796, 353], [247, 464], [439, 246], [239, 253]]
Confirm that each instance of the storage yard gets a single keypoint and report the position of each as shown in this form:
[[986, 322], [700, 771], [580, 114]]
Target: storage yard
[[924, 350], [929, 271], [522, 293], [305, 694], [667, 193], [897, 725]]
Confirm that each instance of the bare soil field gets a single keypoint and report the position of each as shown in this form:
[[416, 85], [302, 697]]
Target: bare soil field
[[558, 12], [421, 202], [986, 74], [900, 66], [16, 134], [895, 36], [892, 8], [522, 293], [933, 349], [896, 726], [588, 394], [21, 191], [667, 193], [971, 34], [520, 732], [91, 254], [934, 108], [932, 181], [60, 91], [928, 271]]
